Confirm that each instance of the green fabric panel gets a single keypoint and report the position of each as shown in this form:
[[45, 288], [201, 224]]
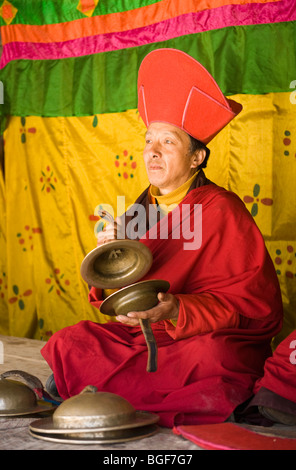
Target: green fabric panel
[[3, 123], [246, 59], [42, 12]]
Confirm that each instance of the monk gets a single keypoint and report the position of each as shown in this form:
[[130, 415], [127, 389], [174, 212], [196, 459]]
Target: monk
[[214, 326]]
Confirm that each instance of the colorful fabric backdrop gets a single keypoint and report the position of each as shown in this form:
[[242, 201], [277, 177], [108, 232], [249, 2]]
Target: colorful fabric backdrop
[[73, 138]]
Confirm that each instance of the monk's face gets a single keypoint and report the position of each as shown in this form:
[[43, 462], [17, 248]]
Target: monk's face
[[168, 160]]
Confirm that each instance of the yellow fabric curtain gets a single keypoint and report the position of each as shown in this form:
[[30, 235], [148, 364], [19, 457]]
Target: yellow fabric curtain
[[59, 170], [4, 325]]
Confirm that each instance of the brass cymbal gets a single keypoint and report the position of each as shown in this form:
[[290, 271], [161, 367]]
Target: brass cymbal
[[116, 264], [17, 399], [94, 415], [103, 437], [136, 297], [121, 263], [49, 426]]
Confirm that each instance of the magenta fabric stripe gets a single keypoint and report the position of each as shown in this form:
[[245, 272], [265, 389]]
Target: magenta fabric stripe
[[191, 23]]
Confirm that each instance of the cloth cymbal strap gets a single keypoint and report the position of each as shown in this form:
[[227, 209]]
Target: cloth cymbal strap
[[151, 345]]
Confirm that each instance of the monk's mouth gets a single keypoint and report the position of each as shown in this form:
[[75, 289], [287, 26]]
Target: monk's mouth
[[155, 167]]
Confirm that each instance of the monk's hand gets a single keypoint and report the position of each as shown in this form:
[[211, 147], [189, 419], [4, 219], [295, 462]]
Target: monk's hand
[[166, 309], [110, 232]]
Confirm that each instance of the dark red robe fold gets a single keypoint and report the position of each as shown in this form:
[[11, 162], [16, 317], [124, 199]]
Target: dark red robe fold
[[280, 371], [202, 375]]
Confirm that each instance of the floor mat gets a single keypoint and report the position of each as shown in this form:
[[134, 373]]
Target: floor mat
[[229, 436]]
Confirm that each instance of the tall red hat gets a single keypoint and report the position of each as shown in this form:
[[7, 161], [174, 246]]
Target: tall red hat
[[175, 88]]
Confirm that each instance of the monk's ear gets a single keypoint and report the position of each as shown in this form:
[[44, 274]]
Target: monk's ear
[[198, 157]]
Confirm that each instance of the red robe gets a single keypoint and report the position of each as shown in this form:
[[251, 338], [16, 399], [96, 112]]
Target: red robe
[[276, 389], [228, 284], [280, 370]]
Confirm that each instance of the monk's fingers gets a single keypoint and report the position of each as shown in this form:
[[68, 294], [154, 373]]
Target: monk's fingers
[[106, 235], [163, 296], [168, 307], [154, 314], [127, 321]]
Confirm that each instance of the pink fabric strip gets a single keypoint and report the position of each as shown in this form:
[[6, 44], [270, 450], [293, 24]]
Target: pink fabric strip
[[225, 16]]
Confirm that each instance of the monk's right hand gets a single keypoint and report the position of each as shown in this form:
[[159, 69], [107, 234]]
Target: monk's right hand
[[109, 233]]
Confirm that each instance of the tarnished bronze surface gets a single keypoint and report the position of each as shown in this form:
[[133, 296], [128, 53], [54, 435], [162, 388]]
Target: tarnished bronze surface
[[94, 415], [137, 297], [95, 411], [121, 263], [17, 398], [92, 409], [103, 437], [115, 264], [48, 426]]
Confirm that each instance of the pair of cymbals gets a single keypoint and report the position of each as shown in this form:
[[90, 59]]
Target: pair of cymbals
[[95, 417], [120, 263], [80, 436]]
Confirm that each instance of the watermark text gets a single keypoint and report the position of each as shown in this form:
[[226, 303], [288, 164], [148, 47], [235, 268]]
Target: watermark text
[[177, 222], [293, 353]]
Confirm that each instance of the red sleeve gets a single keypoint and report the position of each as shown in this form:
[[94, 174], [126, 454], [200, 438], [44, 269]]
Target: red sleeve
[[95, 297], [201, 313]]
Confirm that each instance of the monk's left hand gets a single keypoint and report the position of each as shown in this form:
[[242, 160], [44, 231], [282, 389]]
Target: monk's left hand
[[166, 309]]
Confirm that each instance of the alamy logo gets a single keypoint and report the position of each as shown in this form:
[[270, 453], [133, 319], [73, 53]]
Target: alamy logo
[[293, 353], [185, 222]]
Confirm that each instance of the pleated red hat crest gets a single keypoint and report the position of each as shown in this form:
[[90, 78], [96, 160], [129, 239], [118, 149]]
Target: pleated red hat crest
[[175, 88]]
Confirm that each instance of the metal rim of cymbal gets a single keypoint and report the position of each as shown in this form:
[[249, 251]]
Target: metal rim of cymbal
[[132, 434], [140, 263], [37, 409], [47, 426], [158, 285]]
